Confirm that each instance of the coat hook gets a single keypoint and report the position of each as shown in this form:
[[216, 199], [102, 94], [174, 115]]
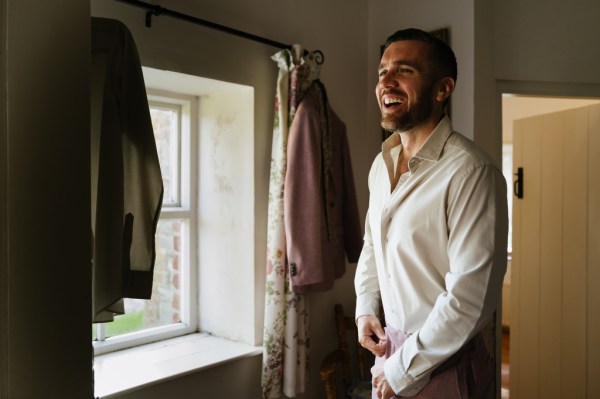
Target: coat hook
[[319, 57]]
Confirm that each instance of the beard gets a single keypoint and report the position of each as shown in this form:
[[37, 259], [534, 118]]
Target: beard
[[416, 113]]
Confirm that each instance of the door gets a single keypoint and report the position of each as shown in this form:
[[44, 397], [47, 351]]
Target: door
[[555, 297]]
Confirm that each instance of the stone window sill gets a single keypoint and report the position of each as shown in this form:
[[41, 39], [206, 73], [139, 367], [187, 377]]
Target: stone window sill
[[131, 369]]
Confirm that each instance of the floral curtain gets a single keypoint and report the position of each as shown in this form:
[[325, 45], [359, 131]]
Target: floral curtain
[[286, 340]]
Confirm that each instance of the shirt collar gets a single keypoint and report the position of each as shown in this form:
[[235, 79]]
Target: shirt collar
[[390, 142], [432, 148]]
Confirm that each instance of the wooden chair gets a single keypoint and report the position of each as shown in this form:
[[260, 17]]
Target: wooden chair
[[348, 365]]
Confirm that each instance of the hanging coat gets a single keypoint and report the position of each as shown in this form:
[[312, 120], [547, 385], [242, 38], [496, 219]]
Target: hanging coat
[[322, 224], [127, 184]]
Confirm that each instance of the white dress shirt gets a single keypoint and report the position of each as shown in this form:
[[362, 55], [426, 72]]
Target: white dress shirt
[[434, 250]]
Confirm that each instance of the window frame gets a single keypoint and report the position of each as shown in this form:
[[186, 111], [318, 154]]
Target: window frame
[[186, 210]]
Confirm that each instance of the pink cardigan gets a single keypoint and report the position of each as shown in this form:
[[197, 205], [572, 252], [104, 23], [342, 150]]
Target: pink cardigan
[[322, 223]]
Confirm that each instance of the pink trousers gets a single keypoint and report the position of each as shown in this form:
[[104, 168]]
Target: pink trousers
[[468, 374]]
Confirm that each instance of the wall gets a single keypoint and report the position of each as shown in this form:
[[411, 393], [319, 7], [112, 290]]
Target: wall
[[543, 47], [182, 47], [387, 16], [226, 210], [45, 269], [485, 101], [522, 46], [553, 51]]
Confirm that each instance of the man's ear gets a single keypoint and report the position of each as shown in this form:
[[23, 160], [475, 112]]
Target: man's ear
[[445, 87]]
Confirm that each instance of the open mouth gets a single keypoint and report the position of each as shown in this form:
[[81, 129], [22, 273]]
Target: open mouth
[[392, 101]]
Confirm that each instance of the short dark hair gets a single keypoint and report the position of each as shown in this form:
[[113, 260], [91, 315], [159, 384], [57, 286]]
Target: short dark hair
[[440, 53]]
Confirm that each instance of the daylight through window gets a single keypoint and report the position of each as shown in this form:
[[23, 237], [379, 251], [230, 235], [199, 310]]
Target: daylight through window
[[169, 312]]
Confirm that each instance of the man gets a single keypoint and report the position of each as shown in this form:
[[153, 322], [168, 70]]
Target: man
[[435, 235]]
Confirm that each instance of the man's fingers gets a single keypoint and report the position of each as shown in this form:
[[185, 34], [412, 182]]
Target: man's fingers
[[378, 331], [366, 341], [370, 325], [377, 348], [380, 383], [376, 370], [369, 332]]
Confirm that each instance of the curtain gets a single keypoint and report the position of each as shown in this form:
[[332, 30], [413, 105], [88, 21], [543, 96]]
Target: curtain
[[285, 340]]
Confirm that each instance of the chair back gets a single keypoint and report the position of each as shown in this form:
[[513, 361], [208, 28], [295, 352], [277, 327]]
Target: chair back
[[348, 365]]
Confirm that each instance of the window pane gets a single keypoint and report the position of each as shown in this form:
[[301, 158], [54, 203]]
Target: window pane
[[165, 306], [165, 122]]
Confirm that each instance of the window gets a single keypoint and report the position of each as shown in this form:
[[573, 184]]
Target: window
[[172, 310], [205, 273]]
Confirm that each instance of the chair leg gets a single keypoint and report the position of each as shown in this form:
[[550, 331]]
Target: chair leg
[[330, 388]]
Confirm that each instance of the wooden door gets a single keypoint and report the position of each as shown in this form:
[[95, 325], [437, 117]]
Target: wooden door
[[555, 297]]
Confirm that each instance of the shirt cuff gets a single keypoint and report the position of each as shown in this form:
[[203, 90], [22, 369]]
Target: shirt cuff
[[402, 383]]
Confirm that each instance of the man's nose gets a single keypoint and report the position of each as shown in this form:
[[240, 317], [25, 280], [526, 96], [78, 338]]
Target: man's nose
[[387, 80]]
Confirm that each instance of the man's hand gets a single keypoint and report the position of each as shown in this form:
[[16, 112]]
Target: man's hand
[[370, 334], [380, 384]]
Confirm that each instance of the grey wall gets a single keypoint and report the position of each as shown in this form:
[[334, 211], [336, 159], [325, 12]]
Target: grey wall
[[45, 268], [547, 41], [539, 47]]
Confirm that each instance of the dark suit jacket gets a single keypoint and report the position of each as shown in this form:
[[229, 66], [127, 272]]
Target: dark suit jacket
[[322, 223], [127, 186]]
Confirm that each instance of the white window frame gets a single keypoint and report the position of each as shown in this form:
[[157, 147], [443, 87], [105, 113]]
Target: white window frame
[[222, 258], [227, 275], [185, 209]]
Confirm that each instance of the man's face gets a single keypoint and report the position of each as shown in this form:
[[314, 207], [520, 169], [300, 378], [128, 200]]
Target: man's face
[[405, 91]]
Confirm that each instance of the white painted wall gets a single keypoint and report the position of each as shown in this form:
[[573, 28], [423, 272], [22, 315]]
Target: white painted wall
[[337, 28], [226, 218]]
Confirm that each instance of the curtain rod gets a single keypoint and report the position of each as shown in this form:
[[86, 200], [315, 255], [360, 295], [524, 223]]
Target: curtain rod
[[157, 10]]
